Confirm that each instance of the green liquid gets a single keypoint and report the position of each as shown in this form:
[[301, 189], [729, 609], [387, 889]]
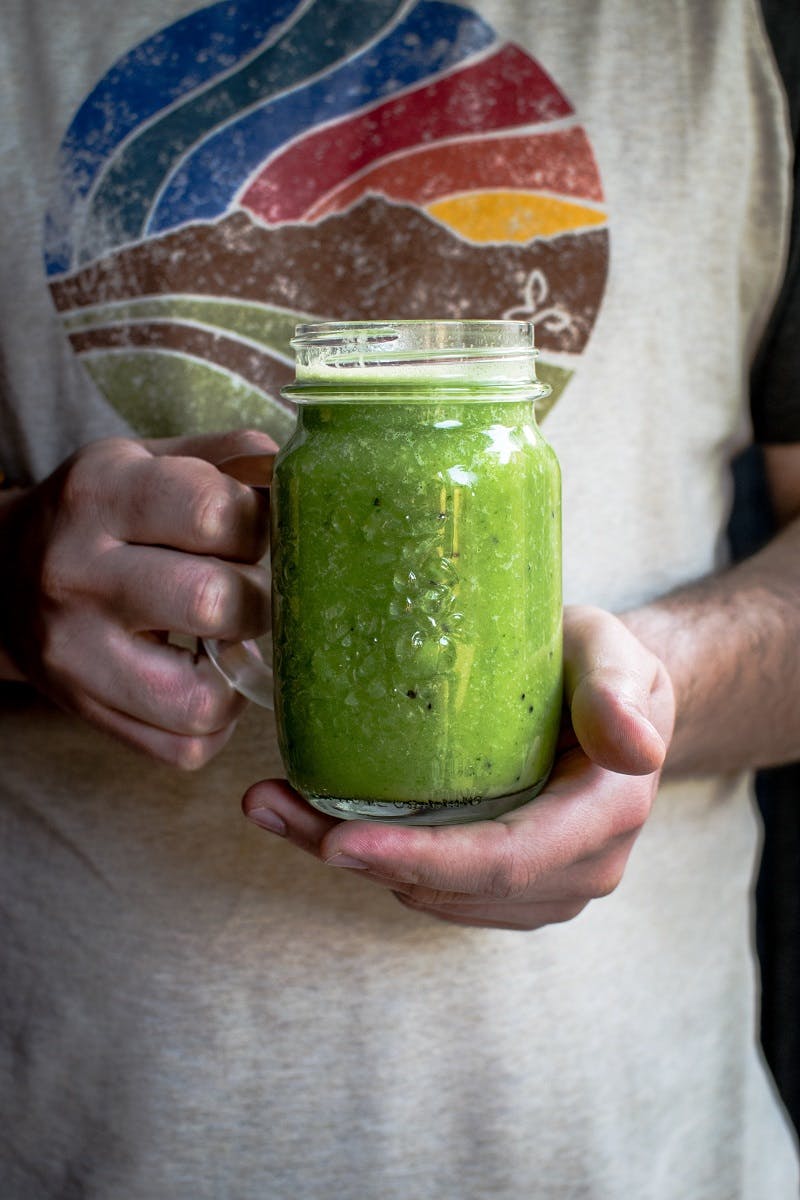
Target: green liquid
[[417, 605]]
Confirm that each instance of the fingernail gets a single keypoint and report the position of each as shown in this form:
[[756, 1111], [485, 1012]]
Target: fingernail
[[265, 818], [344, 860]]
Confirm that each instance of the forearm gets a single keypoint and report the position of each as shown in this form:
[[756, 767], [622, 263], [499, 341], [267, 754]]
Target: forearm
[[731, 644]]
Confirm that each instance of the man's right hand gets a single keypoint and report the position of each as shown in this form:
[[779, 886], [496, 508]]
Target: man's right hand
[[126, 542]]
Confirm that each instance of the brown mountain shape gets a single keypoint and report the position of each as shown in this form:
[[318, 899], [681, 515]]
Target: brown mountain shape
[[376, 259]]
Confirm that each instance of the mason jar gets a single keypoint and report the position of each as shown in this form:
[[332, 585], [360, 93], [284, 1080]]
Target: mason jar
[[416, 572]]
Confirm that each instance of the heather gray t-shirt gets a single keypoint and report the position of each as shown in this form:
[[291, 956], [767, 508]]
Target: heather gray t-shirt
[[190, 1009]]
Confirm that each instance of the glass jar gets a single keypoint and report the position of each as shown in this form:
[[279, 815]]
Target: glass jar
[[416, 544]]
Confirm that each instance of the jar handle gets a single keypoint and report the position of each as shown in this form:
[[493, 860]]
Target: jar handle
[[244, 668], [242, 663]]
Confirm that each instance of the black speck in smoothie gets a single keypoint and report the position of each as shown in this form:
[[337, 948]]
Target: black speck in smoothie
[[412, 695], [530, 708], [377, 501]]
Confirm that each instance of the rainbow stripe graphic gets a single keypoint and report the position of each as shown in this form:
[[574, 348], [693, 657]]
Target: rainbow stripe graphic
[[262, 162]]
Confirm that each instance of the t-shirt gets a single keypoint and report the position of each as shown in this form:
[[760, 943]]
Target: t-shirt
[[190, 1009]]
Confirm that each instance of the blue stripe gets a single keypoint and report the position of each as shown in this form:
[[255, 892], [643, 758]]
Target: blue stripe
[[324, 33], [433, 38], [149, 78]]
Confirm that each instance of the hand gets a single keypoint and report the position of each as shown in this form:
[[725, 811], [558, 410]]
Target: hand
[[126, 542], [545, 861]]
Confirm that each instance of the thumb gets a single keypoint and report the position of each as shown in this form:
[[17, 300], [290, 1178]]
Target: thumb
[[619, 693]]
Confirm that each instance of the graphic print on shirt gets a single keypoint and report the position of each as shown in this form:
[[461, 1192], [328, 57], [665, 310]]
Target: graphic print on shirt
[[263, 162]]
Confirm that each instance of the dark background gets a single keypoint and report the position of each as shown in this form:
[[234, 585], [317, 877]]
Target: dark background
[[775, 392], [777, 923]]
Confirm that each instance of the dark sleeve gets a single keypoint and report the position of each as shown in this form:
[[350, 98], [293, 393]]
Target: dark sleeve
[[775, 379]]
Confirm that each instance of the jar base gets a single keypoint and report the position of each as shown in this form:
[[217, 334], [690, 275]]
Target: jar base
[[446, 812]]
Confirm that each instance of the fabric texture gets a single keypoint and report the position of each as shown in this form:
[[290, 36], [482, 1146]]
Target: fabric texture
[[188, 1008]]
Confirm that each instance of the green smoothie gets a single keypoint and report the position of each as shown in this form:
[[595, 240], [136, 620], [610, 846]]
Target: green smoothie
[[417, 603]]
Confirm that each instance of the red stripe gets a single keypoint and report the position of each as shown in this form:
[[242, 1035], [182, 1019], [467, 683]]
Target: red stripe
[[560, 163], [504, 91]]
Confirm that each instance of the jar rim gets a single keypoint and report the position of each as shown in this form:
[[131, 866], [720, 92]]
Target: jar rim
[[407, 355], [422, 334]]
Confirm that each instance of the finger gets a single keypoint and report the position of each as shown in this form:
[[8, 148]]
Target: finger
[[186, 751], [619, 694], [592, 878], [150, 588], [583, 827], [583, 810], [145, 679], [273, 805], [181, 502], [215, 448]]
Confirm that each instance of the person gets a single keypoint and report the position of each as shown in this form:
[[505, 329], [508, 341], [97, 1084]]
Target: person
[[559, 1003]]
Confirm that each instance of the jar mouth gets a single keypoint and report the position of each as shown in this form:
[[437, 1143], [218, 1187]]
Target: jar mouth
[[403, 353], [343, 342]]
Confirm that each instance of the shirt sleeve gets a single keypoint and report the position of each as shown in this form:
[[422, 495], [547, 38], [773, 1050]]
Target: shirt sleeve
[[775, 379]]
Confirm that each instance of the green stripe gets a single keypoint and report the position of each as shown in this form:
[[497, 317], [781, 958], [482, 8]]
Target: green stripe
[[271, 328], [163, 394]]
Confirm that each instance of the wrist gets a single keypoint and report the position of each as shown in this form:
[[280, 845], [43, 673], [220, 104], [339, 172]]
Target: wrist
[[729, 643]]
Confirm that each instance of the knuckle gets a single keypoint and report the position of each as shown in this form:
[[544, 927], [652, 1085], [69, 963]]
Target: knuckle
[[92, 473], [247, 441], [189, 753], [511, 876], [598, 878], [568, 911], [214, 513], [606, 882], [55, 577], [79, 486], [77, 494], [54, 646], [629, 807], [638, 801], [208, 597], [201, 710]]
